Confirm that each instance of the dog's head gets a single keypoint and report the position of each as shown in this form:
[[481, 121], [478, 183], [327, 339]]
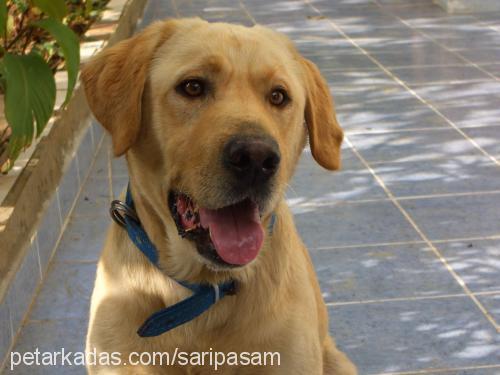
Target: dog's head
[[213, 118]]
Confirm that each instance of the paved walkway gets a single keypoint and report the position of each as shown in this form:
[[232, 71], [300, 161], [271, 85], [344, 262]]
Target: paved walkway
[[406, 239]]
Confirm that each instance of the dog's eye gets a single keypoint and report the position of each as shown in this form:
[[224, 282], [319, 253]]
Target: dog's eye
[[192, 88], [279, 97]]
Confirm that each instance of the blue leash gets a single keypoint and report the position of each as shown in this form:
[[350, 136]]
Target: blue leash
[[204, 295]]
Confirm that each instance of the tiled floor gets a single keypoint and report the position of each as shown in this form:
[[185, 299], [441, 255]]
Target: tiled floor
[[406, 238]]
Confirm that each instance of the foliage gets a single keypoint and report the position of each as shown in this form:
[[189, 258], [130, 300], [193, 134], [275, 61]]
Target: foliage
[[37, 37]]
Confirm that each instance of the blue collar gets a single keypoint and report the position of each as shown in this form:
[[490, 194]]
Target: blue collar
[[204, 295]]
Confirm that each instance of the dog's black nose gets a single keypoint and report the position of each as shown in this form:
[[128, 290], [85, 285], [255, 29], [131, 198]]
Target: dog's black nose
[[252, 158]]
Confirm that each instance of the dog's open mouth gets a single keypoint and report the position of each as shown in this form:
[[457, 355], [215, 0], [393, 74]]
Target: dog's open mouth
[[230, 235]]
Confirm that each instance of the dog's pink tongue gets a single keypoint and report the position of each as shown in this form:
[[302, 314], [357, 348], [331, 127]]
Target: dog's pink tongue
[[235, 231]]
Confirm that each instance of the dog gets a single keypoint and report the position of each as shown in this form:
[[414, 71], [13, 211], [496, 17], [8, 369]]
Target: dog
[[212, 119]]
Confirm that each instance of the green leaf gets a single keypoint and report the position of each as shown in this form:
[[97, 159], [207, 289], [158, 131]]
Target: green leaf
[[70, 47], [54, 8], [30, 95], [3, 18], [88, 7]]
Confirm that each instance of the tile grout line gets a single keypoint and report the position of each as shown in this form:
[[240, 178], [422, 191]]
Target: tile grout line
[[427, 36], [380, 200], [401, 243], [110, 172], [414, 298], [428, 242], [176, 9], [351, 70], [407, 130], [437, 159], [39, 261], [403, 84], [483, 23], [248, 14], [440, 370], [59, 211]]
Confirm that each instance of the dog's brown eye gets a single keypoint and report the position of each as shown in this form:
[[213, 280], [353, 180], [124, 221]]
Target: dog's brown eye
[[192, 88], [278, 97]]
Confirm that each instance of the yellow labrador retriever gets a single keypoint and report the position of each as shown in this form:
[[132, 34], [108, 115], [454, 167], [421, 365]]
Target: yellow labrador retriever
[[212, 119]]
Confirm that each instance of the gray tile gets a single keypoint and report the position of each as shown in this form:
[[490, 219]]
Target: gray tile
[[459, 174], [459, 107], [100, 169], [350, 162], [5, 330], [363, 97], [119, 185], [492, 68], [52, 336], [419, 146], [83, 239], [352, 224], [443, 27], [477, 114], [346, 79], [459, 94], [468, 37], [66, 292], [68, 188], [455, 218], [356, 61], [467, 104], [386, 34], [388, 117], [119, 167], [481, 56], [492, 304], [476, 262], [22, 288], [434, 55], [415, 335], [94, 199], [97, 131], [370, 273], [302, 26], [155, 10], [85, 154], [310, 45], [487, 370], [439, 74], [48, 232], [418, 11], [487, 137], [315, 185], [387, 43]]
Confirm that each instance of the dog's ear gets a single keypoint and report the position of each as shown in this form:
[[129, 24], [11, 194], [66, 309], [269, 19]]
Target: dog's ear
[[325, 134], [114, 83]]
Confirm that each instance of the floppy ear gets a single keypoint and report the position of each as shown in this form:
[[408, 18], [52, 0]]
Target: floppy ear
[[114, 82], [325, 134]]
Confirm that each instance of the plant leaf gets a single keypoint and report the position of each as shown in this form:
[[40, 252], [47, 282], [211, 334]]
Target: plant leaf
[[30, 94], [3, 18], [54, 8], [70, 46]]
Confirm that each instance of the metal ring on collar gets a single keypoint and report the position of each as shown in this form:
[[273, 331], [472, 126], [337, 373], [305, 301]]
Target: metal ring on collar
[[217, 292], [119, 210]]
